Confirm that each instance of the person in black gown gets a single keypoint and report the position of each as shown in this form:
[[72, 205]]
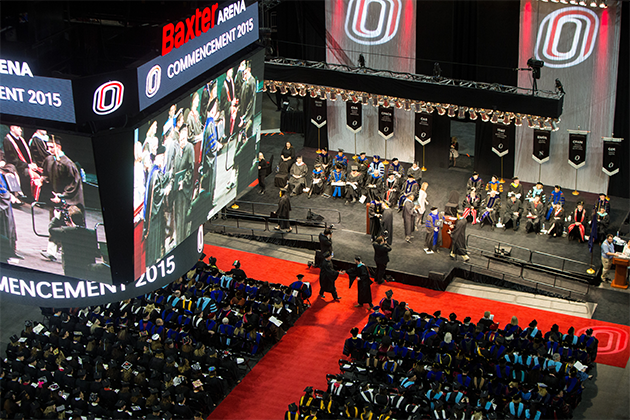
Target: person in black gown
[[381, 258], [263, 171], [458, 237], [360, 272], [284, 209]]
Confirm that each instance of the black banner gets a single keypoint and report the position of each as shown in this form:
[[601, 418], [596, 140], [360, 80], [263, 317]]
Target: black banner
[[577, 149], [500, 144], [612, 147], [541, 146], [318, 112], [423, 128], [354, 116], [386, 122]]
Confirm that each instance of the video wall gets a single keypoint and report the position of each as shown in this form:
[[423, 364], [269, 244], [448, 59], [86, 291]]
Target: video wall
[[50, 208], [193, 158]]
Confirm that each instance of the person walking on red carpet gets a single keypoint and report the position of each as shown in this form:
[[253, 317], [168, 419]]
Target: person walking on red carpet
[[361, 272], [327, 277]]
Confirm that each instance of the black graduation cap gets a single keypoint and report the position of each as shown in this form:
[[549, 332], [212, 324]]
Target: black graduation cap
[[120, 404], [300, 276], [156, 408], [308, 389], [179, 398], [14, 338], [293, 408]]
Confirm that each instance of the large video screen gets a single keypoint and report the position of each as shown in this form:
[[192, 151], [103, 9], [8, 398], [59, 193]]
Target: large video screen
[[50, 208], [193, 159]]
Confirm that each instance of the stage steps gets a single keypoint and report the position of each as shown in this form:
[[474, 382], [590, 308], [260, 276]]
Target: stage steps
[[469, 288]]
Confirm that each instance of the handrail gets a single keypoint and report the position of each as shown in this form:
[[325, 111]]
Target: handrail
[[281, 232], [39, 204], [253, 203]]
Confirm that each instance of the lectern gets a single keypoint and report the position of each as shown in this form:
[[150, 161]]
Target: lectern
[[621, 273]]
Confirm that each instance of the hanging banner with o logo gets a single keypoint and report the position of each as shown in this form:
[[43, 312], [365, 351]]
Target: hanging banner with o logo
[[318, 112], [423, 128], [612, 148], [500, 140], [577, 148], [579, 46], [354, 116], [386, 122]]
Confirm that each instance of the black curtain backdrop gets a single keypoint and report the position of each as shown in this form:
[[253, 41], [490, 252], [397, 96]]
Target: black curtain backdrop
[[301, 30], [436, 152], [486, 161], [619, 185]]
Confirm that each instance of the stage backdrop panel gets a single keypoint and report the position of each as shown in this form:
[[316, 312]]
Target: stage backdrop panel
[[580, 47], [384, 32]]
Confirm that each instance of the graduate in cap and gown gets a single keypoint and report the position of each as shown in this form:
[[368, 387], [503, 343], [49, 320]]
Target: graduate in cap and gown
[[458, 237], [327, 277], [360, 272]]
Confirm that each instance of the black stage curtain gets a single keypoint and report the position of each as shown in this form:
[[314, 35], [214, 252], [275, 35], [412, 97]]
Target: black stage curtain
[[436, 152], [486, 161], [292, 122], [619, 185], [301, 30]]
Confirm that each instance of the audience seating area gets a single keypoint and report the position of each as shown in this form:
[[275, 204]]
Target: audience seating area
[[174, 353], [410, 365]]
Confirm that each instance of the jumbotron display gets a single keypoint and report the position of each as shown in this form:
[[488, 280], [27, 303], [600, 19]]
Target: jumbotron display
[[50, 209], [193, 159]]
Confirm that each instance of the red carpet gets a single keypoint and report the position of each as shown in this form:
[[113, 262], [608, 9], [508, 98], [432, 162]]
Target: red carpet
[[313, 346]]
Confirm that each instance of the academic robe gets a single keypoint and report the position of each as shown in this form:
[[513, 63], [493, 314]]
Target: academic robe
[[409, 219], [325, 243], [296, 185], [397, 170], [375, 211], [471, 206], [517, 190], [284, 208], [318, 182], [323, 160], [17, 153], [476, 184], [602, 226], [39, 149], [410, 186], [490, 208], [354, 186], [361, 272], [392, 189], [557, 222], [341, 160], [432, 237], [8, 231], [533, 192], [538, 212], [263, 171], [327, 277], [458, 237], [417, 174], [555, 198], [374, 186], [184, 164], [336, 190], [387, 224], [508, 213], [578, 227], [65, 179], [154, 221]]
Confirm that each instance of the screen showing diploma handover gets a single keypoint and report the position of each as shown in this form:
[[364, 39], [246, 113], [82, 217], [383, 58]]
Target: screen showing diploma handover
[[193, 158]]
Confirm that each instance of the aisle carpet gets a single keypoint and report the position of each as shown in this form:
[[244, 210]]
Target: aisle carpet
[[312, 348]]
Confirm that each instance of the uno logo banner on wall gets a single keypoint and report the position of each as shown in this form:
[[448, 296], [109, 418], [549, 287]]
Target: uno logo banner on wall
[[354, 116], [580, 48]]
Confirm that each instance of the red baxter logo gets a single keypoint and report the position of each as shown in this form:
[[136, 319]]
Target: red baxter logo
[[108, 97], [567, 37], [372, 22], [176, 35]]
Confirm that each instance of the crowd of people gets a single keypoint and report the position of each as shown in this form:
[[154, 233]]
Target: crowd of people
[[405, 364], [173, 353]]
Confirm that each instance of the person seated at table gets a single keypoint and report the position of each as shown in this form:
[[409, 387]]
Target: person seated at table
[[557, 218], [516, 188], [340, 159], [297, 176], [396, 168], [556, 197], [537, 190], [318, 180], [535, 213], [474, 183], [392, 189], [354, 185], [471, 206], [512, 212], [577, 229], [494, 185], [491, 207]]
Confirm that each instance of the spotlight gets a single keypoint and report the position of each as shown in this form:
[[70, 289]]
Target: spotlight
[[461, 113], [365, 98], [554, 125], [283, 89], [344, 96], [430, 108], [603, 4], [272, 87], [563, 1], [374, 100], [530, 121], [593, 3], [518, 120], [573, 1], [313, 93], [302, 90], [293, 90], [385, 102], [407, 105], [582, 2], [506, 118], [546, 125], [333, 95], [554, 1], [472, 114], [440, 109], [265, 87], [535, 65], [495, 117], [451, 110], [484, 115], [399, 104]]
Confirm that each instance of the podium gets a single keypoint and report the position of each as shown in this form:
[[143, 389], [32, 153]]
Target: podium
[[449, 224], [621, 273]]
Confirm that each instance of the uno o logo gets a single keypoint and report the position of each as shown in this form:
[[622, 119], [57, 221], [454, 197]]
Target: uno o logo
[[200, 239], [154, 79], [108, 97], [611, 339], [567, 37], [372, 22]]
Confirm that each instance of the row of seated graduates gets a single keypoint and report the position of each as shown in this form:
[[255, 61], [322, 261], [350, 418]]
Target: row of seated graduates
[[82, 352], [410, 365]]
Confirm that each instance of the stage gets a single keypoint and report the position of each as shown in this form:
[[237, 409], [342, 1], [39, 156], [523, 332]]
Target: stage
[[350, 238]]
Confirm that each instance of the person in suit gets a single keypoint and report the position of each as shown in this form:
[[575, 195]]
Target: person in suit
[[381, 258]]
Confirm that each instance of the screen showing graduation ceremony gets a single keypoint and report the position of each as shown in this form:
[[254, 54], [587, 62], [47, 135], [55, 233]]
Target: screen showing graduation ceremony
[[50, 209], [193, 159]]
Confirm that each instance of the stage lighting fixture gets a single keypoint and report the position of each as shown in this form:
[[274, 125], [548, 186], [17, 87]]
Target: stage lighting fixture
[[361, 60], [333, 95], [451, 110], [313, 93], [563, 1], [374, 100], [440, 109], [495, 117], [272, 87], [484, 115], [593, 3], [573, 1], [582, 2], [293, 90], [472, 114], [544, 1], [506, 118], [530, 121], [265, 87], [399, 104], [283, 89], [430, 108], [302, 90], [603, 4], [554, 1], [546, 125], [437, 71], [365, 98], [461, 113], [559, 87], [518, 120], [554, 125], [407, 105]]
